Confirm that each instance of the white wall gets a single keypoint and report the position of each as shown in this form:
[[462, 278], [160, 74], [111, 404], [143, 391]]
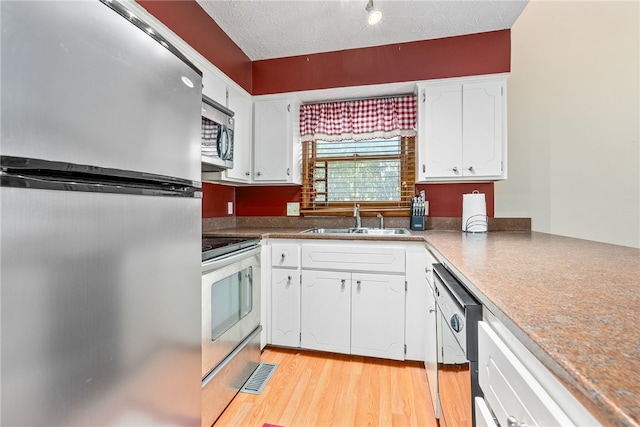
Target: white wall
[[574, 121]]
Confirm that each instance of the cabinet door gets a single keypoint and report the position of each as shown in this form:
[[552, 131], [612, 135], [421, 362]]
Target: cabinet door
[[483, 129], [510, 389], [440, 152], [377, 315], [285, 307], [242, 106], [430, 338], [416, 307], [214, 86], [273, 141], [326, 306]]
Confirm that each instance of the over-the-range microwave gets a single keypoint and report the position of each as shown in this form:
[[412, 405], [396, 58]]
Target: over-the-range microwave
[[217, 136]]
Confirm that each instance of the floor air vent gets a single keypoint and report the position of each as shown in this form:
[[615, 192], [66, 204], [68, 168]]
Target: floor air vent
[[259, 378]]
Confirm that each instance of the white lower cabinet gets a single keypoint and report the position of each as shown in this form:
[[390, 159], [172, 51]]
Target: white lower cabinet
[[353, 313], [285, 307], [511, 391], [341, 297], [517, 388], [377, 315], [326, 311], [284, 293]]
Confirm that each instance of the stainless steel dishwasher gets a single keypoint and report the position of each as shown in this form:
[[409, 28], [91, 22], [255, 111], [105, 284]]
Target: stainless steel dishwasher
[[457, 334]]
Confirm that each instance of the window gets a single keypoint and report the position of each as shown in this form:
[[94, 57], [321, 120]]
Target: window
[[360, 151], [376, 173]]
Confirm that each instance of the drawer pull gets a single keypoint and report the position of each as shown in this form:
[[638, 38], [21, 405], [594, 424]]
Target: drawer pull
[[283, 256], [358, 283], [513, 422]]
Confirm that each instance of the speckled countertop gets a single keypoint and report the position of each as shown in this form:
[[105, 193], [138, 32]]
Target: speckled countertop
[[573, 303]]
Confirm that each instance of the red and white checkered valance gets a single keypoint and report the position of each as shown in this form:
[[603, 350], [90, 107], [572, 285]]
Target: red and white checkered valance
[[358, 120]]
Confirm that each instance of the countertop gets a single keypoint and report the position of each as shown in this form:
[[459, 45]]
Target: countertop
[[573, 303]]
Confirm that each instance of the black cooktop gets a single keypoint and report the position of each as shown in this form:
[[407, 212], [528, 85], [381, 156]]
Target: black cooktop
[[213, 247]]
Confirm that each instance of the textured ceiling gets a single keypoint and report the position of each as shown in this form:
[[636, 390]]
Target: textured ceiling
[[266, 29]]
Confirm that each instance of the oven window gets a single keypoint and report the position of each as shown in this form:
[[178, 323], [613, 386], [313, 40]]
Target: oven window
[[231, 300]]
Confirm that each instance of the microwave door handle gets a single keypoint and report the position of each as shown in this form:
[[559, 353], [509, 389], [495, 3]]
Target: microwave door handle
[[250, 293], [222, 142]]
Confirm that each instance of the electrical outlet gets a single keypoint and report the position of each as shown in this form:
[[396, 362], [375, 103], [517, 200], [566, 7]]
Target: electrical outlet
[[230, 208], [293, 209]]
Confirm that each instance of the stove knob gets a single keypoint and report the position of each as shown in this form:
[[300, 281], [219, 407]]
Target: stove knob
[[456, 323]]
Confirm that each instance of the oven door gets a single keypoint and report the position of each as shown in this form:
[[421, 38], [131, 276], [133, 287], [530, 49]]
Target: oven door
[[230, 304]]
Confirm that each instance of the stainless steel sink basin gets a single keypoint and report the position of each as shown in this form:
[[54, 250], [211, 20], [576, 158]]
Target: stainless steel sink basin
[[371, 231], [383, 231], [329, 230]]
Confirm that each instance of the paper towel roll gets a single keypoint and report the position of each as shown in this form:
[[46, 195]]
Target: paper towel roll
[[474, 213]]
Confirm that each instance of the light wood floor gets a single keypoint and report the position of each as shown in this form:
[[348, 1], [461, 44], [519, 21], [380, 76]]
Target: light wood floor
[[323, 389]]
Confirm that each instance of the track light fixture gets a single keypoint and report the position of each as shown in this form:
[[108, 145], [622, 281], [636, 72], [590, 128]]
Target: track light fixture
[[374, 15]]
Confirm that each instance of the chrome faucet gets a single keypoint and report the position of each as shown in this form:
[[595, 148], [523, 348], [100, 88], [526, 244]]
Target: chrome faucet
[[381, 221], [356, 214]]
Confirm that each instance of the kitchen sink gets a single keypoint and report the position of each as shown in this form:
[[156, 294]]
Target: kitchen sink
[[382, 231], [353, 230]]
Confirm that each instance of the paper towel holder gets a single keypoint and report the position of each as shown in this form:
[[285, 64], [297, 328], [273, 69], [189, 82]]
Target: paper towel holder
[[477, 221]]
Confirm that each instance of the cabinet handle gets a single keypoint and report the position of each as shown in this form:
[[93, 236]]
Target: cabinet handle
[[427, 269], [343, 282], [288, 278], [513, 422], [358, 283], [470, 168], [259, 173], [288, 171], [455, 169], [424, 168], [283, 256], [247, 173], [432, 310]]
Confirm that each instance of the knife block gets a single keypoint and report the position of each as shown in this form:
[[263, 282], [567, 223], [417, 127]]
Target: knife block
[[417, 223]]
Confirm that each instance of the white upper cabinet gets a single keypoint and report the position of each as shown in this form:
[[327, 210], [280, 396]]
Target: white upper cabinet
[[276, 146], [241, 104], [483, 128], [214, 86], [462, 129]]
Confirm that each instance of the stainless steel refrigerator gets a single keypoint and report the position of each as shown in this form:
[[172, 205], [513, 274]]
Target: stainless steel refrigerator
[[100, 204]]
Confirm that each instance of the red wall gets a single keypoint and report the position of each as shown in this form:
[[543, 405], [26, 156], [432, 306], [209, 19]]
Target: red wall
[[473, 54], [189, 21], [266, 201], [215, 198], [445, 200]]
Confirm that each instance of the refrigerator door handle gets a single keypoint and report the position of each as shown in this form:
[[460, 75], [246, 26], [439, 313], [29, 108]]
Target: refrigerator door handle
[[94, 184]]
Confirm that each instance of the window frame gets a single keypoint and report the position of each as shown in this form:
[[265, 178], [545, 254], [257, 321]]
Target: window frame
[[407, 176]]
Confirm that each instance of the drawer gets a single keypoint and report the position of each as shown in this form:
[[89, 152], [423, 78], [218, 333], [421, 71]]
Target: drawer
[[285, 255], [354, 258], [509, 388]]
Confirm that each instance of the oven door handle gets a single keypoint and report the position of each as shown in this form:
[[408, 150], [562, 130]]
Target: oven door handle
[[250, 293], [231, 355], [219, 262]]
